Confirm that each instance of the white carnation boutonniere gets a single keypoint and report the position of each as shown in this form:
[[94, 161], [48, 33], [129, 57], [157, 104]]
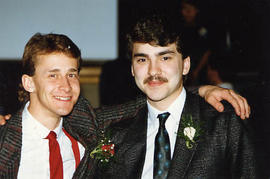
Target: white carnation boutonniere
[[191, 130]]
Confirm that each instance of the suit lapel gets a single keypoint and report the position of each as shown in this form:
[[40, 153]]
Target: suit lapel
[[82, 125], [182, 156], [68, 128], [87, 164], [134, 145]]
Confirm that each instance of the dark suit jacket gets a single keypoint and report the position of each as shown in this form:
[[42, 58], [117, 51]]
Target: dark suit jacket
[[258, 96], [223, 151], [105, 116]]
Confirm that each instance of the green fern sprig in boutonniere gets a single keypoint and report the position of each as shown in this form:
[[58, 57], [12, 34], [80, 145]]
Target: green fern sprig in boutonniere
[[191, 130], [104, 151]]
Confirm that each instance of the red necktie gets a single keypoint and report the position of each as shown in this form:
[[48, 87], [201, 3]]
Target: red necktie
[[56, 163], [75, 148]]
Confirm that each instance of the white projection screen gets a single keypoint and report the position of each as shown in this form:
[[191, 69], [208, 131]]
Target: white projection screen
[[91, 24]]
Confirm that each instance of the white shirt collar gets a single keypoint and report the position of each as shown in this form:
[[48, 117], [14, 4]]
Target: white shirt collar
[[35, 128]]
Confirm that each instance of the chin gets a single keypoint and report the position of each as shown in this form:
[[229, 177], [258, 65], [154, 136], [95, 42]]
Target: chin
[[63, 111], [155, 95], [155, 98]]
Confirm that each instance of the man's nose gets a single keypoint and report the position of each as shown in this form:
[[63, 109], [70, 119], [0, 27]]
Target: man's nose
[[65, 84], [154, 68]]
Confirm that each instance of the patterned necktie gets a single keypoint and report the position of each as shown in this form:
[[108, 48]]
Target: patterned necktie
[[56, 163], [162, 154]]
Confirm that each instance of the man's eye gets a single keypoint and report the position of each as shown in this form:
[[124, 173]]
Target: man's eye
[[165, 58], [52, 75], [72, 75], [141, 60]]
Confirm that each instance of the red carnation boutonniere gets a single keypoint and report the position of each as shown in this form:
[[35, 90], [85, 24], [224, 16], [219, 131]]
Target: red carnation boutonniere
[[108, 149], [104, 152]]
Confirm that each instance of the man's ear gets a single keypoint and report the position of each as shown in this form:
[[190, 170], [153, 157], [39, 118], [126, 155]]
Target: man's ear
[[186, 65], [28, 83], [132, 71]]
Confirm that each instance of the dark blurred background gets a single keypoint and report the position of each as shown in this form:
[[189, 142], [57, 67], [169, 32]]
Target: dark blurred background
[[237, 31]]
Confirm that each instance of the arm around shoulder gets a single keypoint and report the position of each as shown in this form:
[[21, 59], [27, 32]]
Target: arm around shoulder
[[82, 119]]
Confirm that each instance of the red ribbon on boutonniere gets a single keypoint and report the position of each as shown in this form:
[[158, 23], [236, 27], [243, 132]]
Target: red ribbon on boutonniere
[[104, 152]]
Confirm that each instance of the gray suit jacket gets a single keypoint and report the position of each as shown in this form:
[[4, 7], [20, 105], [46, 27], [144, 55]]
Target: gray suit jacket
[[225, 150], [79, 125]]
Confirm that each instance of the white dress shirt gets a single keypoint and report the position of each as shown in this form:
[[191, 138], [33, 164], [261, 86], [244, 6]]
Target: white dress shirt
[[35, 149], [172, 123]]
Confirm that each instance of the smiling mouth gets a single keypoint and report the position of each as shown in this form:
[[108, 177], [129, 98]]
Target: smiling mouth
[[155, 83], [63, 98]]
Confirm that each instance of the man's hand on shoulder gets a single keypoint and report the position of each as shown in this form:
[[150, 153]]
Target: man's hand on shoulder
[[3, 119], [214, 94]]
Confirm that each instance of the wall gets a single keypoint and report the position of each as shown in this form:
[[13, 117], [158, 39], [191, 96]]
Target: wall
[[89, 79]]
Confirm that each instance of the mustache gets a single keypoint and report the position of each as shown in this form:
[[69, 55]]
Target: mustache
[[156, 78]]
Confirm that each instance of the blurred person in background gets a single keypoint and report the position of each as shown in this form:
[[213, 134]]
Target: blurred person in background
[[218, 71], [195, 38]]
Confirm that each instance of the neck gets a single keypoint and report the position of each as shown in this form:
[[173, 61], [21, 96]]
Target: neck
[[47, 120]]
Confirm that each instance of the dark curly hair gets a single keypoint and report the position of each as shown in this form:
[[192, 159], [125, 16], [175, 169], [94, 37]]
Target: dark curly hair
[[156, 29]]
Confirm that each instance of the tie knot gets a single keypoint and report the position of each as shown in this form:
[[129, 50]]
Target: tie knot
[[51, 136], [163, 117]]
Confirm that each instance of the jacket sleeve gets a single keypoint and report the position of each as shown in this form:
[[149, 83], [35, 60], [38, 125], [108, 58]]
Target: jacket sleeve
[[107, 115], [82, 119], [241, 149]]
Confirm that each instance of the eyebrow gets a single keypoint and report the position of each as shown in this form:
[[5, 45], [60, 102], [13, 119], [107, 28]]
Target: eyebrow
[[73, 70], [140, 55], [158, 54], [53, 70], [166, 52], [57, 70]]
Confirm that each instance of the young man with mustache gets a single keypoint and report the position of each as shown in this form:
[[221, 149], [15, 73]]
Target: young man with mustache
[[174, 134]]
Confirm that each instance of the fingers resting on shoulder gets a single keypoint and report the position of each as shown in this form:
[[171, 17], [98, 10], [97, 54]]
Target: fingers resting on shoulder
[[214, 94]]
